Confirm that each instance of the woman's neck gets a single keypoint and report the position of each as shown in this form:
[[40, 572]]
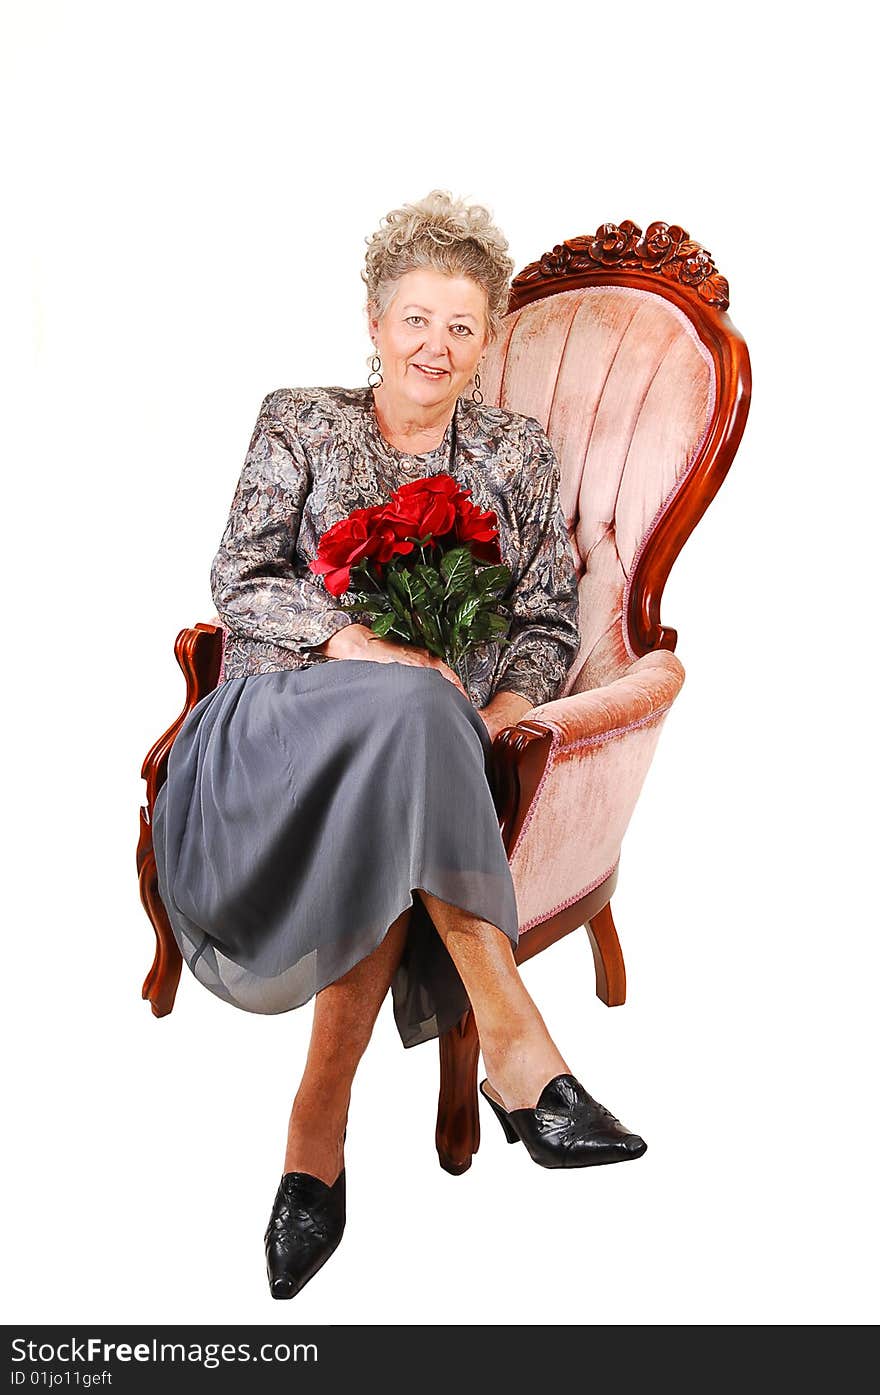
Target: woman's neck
[[410, 431]]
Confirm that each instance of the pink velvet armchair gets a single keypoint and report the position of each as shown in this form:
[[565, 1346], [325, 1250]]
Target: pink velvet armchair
[[620, 345]]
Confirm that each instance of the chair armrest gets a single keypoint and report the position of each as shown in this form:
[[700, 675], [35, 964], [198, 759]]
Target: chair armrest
[[650, 683], [198, 652], [569, 775]]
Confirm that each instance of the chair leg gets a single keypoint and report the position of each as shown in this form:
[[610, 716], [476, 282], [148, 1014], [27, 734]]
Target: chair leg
[[160, 985], [458, 1118], [608, 958]]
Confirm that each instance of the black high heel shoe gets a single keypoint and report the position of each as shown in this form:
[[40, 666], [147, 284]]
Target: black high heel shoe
[[305, 1227], [568, 1128]]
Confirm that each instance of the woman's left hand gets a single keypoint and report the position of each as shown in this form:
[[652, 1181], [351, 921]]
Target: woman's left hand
[[504, 710]]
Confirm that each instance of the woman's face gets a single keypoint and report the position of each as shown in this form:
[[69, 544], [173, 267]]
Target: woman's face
[[433, 321]]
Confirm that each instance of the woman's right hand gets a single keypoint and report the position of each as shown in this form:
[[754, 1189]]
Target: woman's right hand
[[359, 642]]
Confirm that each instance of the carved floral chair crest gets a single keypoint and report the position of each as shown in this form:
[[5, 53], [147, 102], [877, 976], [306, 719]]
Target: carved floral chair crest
[[620, 345]]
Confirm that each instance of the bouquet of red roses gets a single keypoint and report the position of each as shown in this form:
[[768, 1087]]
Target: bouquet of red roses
[[426, 566]]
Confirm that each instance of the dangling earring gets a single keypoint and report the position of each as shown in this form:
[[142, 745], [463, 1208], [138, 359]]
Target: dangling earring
[[375, 365], [476, 394]]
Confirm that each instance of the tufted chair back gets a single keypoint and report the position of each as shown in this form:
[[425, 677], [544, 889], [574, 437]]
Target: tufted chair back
[[615, 344], [624, 389]]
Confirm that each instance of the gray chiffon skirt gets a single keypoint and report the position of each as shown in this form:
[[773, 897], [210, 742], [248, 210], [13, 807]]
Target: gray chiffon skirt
[[301, 811]]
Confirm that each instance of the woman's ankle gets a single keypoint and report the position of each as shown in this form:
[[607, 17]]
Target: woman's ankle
[[321, 1156], [519, 1066], [315, 1142]]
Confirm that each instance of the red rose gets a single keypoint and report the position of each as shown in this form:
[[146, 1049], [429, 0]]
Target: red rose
[[479, 529], [344, 545], [427, 505]]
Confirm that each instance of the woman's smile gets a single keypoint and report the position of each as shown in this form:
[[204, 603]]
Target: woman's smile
[[433, 331]]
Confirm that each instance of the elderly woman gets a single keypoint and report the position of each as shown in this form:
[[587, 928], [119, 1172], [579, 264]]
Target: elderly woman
[[327, 828]]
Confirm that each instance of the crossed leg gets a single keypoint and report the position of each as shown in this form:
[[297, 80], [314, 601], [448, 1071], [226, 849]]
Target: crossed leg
[[519, 1053]]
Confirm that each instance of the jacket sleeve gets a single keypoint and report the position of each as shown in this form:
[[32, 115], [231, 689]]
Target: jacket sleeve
[[544, 597], [255, 585]]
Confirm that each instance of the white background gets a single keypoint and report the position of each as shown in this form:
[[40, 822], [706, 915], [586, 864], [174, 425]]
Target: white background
[[189, 188]]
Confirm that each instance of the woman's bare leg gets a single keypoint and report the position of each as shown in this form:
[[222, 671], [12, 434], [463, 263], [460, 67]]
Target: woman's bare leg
[[345, 1014], [518, 1051]]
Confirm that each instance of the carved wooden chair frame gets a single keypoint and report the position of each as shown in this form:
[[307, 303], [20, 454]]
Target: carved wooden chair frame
[[666, 262]]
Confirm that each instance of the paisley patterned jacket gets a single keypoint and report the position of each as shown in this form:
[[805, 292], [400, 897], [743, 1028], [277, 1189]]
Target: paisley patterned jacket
[[317, 453]]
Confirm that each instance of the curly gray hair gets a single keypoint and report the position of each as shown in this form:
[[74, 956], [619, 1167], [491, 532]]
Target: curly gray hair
[[447, 235]]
